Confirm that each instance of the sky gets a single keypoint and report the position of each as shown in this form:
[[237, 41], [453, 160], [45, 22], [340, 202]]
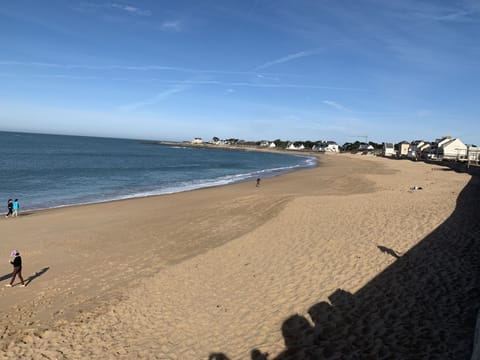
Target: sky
[[341, 70]]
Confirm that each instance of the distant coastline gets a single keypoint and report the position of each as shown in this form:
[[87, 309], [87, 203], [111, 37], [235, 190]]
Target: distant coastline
[[249, 147]]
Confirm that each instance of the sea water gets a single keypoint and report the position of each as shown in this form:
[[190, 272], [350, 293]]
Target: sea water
[[46, 171]]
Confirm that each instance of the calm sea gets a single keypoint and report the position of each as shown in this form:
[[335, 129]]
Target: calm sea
[[45, 171]]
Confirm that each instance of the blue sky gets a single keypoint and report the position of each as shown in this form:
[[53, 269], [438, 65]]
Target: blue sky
[[250, 69]]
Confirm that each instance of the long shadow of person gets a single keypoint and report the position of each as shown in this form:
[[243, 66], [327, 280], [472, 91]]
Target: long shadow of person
[[6, 276], [36, 275], [388, 251]]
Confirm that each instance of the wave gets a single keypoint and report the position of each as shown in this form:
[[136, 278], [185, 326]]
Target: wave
[[182, 186]]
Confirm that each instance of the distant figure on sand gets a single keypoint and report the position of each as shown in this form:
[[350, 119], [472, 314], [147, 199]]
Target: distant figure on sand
[[258, 182], [17, 268], [16, 206], [10, 208]]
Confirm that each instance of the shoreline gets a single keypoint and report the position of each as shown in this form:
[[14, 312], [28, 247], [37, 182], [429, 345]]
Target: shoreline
[[221, 269], [205, 185]]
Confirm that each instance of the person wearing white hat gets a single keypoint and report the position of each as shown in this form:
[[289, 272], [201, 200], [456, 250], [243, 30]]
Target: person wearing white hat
[[17, 268]]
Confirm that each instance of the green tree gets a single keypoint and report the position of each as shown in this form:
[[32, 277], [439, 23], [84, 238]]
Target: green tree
[[280, 144]]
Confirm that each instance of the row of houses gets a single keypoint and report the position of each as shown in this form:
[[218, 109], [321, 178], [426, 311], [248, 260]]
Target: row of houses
[[327, 146], [445, 148]]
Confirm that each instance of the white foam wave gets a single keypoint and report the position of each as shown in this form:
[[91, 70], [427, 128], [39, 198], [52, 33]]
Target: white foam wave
[[192, 185]]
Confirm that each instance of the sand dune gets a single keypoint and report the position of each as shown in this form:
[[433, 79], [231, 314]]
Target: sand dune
[[343, 261]]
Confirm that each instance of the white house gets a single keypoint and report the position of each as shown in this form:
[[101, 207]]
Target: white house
[[443, 140], [473, 155], [434, 149], [217, 141], [365, 147], [454, 149], [265, 143], [415, 149], [403, 148], [329, 146], [197, 141], [388, 150], [424, 150], [292, 146]]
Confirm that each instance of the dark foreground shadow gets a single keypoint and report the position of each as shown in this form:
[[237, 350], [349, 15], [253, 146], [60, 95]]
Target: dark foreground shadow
[[6, 276], [36, 275], [423, 306]]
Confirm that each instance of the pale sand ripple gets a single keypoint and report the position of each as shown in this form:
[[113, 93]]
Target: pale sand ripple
[[340, 262]]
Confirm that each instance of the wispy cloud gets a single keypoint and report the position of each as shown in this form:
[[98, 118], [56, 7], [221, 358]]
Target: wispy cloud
[[335, 105], [98, 67], [288, 58], [157, 98], [129, 9], [449, 14], [412, 10], [213, 82], [297, 86], [144, 68], [123, 67], [176, 25]]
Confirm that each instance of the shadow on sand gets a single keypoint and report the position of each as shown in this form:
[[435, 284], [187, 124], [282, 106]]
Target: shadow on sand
[[34, 276], [388, 251], [29, 279], [423, 306], [6, 276]]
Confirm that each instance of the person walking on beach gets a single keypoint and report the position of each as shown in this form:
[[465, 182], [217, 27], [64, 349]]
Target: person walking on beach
[[16, 206], [16, 261], [258, 182], [10, 208]]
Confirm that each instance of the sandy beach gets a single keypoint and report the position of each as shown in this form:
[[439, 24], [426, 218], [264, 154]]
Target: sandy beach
[[343, 261]]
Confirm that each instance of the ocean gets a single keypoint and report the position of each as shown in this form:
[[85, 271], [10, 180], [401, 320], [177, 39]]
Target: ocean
[[47, 171]]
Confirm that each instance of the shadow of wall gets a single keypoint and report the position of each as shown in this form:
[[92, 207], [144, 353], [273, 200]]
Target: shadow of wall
[[423, 306]]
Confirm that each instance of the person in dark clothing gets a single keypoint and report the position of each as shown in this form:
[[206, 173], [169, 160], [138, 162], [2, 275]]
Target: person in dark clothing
[[17, 268], [10, 208]]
